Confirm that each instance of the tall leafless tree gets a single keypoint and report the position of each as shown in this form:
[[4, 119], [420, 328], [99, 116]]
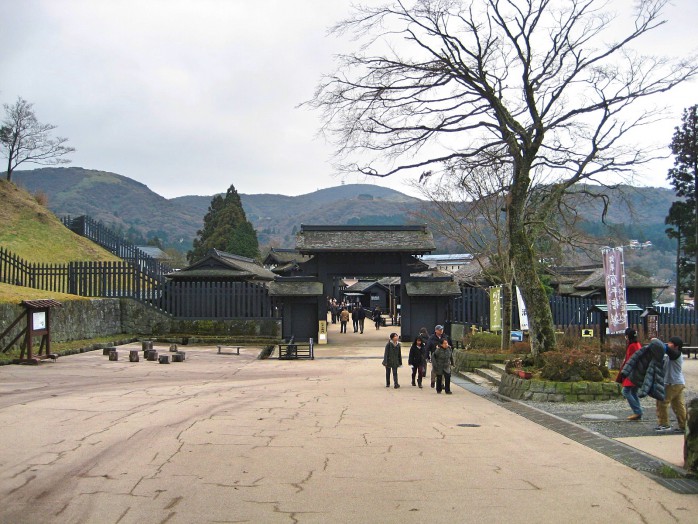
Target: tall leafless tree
[[24, 139], [467, 208], [551, 87]]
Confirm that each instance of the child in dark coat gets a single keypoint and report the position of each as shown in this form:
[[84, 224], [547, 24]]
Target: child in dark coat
[[418, 360]]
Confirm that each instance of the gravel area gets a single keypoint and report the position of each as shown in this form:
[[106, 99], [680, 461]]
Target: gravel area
[[621, 427], [617, 428]]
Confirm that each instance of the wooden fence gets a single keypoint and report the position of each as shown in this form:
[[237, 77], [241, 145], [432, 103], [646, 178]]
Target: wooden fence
[[192, 300], [570, 315], [114, 243], [216, 300]]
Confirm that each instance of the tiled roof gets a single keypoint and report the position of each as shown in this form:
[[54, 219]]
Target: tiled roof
[[154, 252], [284, 256], [430, 288], [632, 279], [221, 264], [363, 285], [295, 288], [405, 239]]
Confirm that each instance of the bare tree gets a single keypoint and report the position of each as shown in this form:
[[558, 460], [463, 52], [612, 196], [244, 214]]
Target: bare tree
[[467, 208], [550, 87], [24, 139]]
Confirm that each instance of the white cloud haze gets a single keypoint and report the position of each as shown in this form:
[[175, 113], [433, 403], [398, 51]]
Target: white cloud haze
[[188, 97]]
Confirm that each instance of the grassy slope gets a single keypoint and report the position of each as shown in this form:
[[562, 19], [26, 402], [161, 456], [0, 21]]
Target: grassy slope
[[32, 232], [15, 294]]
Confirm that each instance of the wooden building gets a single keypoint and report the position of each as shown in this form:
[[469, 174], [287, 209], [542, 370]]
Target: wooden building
[[336, 252]]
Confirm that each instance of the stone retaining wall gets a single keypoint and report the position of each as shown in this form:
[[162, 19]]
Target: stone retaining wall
[[546, 391], [103, 317]]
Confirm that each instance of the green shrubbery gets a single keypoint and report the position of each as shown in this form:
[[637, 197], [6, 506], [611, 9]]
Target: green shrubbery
[[483, 340]]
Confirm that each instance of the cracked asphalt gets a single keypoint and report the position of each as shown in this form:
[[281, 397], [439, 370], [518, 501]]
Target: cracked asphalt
[[228, 438]]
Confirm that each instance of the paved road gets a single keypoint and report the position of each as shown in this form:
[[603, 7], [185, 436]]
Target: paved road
[[224, 438]]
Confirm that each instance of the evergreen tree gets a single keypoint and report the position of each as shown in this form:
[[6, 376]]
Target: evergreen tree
[[225, 228], [681, 217], [684, 178]]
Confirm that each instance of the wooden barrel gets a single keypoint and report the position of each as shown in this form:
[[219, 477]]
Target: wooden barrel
[[164, 359], [113, 355], [133, 356]]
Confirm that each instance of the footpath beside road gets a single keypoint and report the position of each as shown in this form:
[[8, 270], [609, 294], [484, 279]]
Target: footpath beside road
[[228, 438]]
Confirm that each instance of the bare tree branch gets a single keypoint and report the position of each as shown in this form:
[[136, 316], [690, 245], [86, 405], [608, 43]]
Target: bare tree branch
[[24, 139]]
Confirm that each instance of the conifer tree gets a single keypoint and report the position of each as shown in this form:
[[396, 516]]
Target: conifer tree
[[684, 178], [226, 228]]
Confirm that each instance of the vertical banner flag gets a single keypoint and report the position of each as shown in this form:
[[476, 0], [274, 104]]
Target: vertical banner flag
[[523, 314], [614, 276], [495, 308]]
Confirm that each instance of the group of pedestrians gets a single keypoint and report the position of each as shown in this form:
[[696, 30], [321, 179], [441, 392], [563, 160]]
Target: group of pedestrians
[[435, 349], [358, 317], [654, 370]]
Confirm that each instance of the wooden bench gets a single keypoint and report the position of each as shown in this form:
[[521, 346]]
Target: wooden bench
[[295, 350], [687, 350], [237, 350]]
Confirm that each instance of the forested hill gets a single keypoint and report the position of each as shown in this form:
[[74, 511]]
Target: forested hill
[[132, 208]]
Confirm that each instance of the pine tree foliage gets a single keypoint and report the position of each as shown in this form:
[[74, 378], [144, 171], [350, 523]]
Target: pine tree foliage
[[226, 228], [684, 179]]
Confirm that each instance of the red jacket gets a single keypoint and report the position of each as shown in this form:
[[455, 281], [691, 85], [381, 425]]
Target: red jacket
[[632, 348]]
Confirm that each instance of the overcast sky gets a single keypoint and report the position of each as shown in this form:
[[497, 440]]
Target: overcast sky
[[188, 97]]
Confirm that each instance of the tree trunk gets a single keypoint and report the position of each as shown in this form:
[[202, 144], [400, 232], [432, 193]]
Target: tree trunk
[[695, 258], [678, 298], [523, 259], [506, 315]]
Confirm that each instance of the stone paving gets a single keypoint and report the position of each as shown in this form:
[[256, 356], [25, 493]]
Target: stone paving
[[228, 438]]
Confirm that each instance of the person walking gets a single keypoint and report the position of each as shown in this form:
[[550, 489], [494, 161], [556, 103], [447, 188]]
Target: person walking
[[441, 364], [392, 359], [645, 370], [343, 319], [377, 317], [334, 311], [418, 360], [674, 384], [362, 318], [355, 317], [433, 342], [629, 390]]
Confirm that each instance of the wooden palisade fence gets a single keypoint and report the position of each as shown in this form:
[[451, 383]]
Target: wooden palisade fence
[[571, 316], [130, 280]]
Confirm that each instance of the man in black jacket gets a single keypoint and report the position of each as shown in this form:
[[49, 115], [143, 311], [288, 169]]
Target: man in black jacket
[[355, 317], [362, 317], [433, 342]]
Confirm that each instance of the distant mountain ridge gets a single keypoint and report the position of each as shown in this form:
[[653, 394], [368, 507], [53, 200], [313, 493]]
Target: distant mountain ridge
[[132, 208]]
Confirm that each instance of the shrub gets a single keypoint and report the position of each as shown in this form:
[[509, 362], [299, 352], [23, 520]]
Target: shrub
[[483, 340], [521, 347], [41, 198], [572, 366]]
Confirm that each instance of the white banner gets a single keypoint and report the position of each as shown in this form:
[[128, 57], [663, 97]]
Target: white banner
[[523, 314]]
